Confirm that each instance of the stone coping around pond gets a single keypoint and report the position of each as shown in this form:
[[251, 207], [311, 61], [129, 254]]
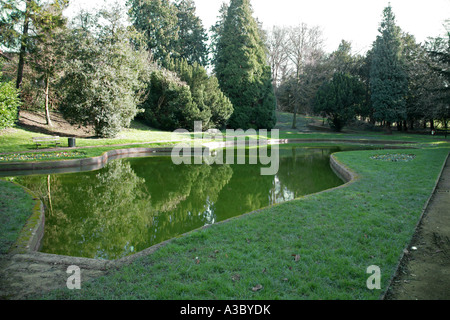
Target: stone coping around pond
[[29, 239]]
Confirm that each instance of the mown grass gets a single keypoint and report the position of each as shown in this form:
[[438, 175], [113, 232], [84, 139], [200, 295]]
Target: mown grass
[[317, 247], [19, 139]]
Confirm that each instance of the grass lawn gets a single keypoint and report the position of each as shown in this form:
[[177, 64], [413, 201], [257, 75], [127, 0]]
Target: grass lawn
[[316, 247], [15, 209]]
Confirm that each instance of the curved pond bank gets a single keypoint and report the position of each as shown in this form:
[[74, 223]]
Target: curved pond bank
[[31, 272], [26, 271]]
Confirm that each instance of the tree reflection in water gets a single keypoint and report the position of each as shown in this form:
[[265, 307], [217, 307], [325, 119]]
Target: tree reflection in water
[[132, 204]]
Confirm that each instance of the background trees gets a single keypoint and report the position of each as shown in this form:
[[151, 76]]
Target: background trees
[[171, 30], [104, 78], [388, 79], [340, 99], [152, 60], [242, 70]]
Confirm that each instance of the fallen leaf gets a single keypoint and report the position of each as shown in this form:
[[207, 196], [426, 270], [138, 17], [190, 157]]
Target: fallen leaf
[[257, 287]]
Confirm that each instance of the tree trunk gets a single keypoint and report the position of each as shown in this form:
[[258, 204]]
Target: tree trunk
[[23, 48], [294, 121], [432, 124], [47, 110], [388, 127], [446, 127]]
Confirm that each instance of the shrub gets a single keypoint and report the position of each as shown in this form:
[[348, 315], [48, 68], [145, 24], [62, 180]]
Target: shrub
[[9, 102], [169, 105]]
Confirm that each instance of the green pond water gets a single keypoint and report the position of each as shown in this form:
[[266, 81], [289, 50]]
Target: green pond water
[[132, 204]]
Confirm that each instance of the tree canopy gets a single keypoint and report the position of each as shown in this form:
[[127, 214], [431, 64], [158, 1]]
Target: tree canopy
[[242, 69]]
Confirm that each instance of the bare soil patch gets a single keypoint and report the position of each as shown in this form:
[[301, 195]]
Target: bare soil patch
[[36, 122]]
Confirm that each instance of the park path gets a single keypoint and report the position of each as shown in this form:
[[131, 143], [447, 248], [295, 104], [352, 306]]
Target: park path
[[424, 273]]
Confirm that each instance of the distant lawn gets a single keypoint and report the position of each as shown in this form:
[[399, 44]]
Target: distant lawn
[[316, 247], [18, 140]]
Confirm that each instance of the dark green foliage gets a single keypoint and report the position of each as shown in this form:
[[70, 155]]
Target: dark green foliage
[[388, 79], [170, 30], [242, 69], [340, 100], [157, 20], [103, 80], [9, 102], [169, 105], [439, 53], [214, 105], [192, 36], [183, 94]]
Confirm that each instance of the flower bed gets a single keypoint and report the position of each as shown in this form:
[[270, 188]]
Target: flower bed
[[394, 157], [41, 156]]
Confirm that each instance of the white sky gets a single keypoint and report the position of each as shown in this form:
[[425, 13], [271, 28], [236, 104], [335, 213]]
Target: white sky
[[356, 21]]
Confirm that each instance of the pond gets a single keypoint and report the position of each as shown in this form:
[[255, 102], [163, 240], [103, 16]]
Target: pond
[[134, 203]]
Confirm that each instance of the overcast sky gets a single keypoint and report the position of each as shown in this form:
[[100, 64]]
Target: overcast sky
[[356, 21]]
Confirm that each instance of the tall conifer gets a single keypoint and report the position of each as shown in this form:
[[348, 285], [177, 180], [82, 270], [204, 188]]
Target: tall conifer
[[388, 79], [242, 69]]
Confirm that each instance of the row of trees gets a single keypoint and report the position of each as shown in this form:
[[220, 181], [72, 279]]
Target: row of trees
[[105, 70], [397, 81]]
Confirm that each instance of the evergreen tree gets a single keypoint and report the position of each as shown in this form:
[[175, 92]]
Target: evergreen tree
[[242, 69], [439, 54], [9, 102], [46, 55], [212, 103], [104, 79], [192, 36], [340, 100], [158, 21], [217, 30], [169, 105], [388, 79]]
